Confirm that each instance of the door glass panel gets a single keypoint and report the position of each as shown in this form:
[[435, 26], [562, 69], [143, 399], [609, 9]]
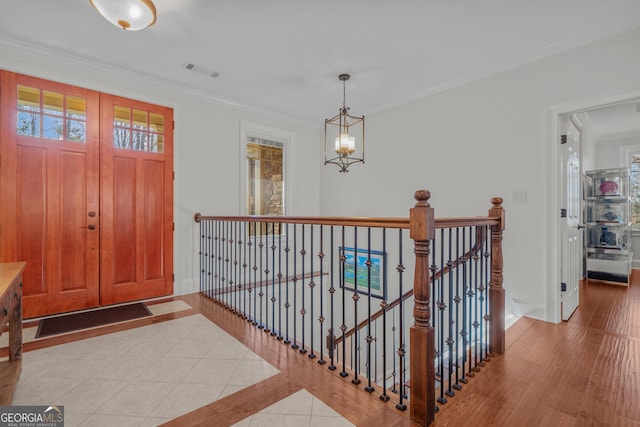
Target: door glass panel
[[28, 123], [156, 122], [139, 119], [121, 116], [28, 111], [121, 138], [139, 141], [52, 108], [52, 127], [76, 131], [156, 143], [48, 120], [156, 137], [28, 98], [121, 127], [76, 119], [138, 130], [53, 103], [76, 108]]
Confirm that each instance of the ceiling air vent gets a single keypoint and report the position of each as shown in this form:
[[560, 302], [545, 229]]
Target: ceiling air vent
[[200, 70]]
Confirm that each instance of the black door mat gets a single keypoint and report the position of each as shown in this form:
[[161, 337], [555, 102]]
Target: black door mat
[[90, 319]]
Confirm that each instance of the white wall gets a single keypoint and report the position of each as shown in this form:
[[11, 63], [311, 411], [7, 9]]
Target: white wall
[[609, 149], [483, 139], [207, 146]]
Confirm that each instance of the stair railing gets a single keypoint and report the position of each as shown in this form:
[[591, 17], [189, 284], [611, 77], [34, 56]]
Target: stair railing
[[324, 283]]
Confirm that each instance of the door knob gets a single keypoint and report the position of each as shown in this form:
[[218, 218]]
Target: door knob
[[91, 227]]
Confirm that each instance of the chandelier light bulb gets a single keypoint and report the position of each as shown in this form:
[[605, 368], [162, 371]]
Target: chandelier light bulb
[[345, 144]]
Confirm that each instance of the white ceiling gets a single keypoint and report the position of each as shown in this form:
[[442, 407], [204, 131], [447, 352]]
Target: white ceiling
[[283, 57]]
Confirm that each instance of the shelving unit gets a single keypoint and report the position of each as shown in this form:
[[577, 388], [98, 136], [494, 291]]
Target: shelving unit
[[608, 229]]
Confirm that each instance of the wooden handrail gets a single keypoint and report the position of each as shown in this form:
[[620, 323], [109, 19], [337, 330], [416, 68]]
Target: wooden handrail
[[353, 221], [480, 239]]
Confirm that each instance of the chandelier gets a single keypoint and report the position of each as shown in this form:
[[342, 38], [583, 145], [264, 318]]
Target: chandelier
[[130, 15], [340, 133]]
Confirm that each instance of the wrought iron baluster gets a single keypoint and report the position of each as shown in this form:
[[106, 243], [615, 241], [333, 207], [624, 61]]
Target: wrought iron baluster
[[303, 311], [229, 266], [470, 296], [402, 352], [273, 280], [355, 360], [487, 281], [332, 291], [294, 344], [450, 341], [261, 285], [476, 320], [440, 305], [321, 319], [234, 289], [280, 282], [369, 339], [202, 255], [217, 276], [244, 271], [463, 331], [457, 300], [254, 319], [312, 285], [481, 295], [383, 305], [287, 304], [343, 327]]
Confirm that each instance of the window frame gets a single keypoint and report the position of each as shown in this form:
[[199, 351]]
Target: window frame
[[626, 153], [249, 129]]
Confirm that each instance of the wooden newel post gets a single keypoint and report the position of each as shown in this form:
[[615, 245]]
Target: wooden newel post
[[496, 291], [422, 336]]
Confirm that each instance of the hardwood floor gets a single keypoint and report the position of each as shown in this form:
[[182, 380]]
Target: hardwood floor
[[585, 372]]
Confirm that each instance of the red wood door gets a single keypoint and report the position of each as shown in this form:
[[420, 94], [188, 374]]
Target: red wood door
[[136, 258], [49, 191]]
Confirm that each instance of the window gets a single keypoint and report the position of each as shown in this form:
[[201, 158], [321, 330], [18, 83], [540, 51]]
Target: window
[[634, 190], [138, 130], [51, 115], [263, 180], [265, 161]]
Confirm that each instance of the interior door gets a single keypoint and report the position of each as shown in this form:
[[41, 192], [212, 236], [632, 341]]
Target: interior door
[[49, 191], [136, 258], [572, 240]]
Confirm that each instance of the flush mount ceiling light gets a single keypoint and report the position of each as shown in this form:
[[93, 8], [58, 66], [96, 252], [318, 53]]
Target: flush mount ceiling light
[[340, 133], [129, 15]]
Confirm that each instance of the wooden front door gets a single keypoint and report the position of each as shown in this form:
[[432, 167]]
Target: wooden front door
[[137, 200], [86, 195], [49, 192]]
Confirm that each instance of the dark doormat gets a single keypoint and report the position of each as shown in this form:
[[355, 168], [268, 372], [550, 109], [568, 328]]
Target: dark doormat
[[90, 319]]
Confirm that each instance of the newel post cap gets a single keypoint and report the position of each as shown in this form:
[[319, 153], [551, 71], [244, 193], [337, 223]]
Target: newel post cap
[[498, 210], [422, 198], [421, 217]]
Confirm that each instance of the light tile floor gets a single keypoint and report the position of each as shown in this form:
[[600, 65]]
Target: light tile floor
[[146, 376], [299, 409]]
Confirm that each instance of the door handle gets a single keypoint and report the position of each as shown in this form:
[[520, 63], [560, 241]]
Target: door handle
[[91, 227], [581, 226]]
